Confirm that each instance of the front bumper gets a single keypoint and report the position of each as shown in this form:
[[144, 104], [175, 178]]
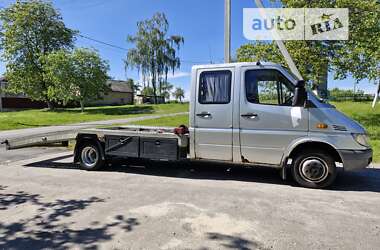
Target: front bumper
[[356, 159]]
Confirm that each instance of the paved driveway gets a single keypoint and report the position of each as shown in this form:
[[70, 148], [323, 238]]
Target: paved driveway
[[47, 202]]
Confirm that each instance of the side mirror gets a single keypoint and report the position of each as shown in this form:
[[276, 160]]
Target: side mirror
[[300, 94]]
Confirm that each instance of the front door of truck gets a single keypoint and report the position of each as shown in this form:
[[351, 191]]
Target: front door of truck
[[268, 122], [213, 114]]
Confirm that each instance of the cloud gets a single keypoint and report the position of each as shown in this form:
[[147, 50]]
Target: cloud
[[178, 74]]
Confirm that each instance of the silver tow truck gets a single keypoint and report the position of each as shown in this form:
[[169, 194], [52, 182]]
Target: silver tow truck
[[257, 114]]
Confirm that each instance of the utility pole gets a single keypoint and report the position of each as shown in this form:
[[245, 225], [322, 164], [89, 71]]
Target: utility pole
[[376, 96], [227, 31], [1, 97]]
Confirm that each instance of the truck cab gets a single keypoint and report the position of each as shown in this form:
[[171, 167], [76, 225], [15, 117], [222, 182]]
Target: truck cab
[[260, 114]]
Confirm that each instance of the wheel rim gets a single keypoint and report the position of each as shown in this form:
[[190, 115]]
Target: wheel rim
[[314, 169], [89, 157]]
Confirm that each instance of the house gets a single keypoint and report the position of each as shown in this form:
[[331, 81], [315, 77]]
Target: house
[[120, 94], [13, 101], [143, 99]]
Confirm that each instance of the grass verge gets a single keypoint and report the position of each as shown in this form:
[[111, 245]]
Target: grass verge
[[363, 113], [38, 118], [173, 121]]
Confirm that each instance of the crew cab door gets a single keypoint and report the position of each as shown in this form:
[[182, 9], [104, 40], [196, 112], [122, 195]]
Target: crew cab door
[[268, 122], [213, 114]]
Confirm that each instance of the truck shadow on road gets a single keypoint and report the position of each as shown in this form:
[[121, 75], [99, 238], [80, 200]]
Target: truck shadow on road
[[49, 226], [364, 180]]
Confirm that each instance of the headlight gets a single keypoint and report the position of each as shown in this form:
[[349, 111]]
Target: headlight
[[362, 139]]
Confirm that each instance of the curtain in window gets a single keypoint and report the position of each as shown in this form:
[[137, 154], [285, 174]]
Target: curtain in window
[[216, 87]]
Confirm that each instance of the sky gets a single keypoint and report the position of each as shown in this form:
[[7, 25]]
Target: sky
[[201, 23]]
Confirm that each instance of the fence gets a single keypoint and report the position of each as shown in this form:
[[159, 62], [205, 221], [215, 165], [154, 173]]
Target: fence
[[352, 97]]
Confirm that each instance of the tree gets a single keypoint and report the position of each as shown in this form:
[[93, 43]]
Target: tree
[[134, 87], [147, 91], [345, 92], [166, 89], [310, 60], [359, 56], [155, 54], [31, 30], [179, 94], [80, 76]]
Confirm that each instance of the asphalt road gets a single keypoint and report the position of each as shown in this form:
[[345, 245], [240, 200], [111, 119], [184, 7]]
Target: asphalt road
[[46, 202]]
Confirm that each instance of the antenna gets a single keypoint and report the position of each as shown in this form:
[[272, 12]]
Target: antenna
[[209, 53]]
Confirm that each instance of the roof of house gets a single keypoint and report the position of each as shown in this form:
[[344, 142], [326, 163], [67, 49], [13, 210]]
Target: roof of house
[[119, 86]]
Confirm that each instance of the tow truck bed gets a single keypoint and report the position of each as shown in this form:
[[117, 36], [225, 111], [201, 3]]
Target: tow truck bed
[[156, 143]]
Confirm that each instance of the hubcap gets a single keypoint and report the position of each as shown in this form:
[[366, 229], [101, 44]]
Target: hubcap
[[89, 157], [314, 169]]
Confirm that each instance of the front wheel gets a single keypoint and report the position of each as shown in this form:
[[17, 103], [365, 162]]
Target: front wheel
[[90, 156], [314, 169]]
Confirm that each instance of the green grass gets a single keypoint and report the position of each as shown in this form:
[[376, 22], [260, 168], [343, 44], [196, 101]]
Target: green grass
[[363, 113], [174, 121], [359, 111], [37, 118]]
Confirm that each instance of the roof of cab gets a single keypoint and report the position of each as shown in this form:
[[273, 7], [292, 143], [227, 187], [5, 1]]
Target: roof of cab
[[236, 64]]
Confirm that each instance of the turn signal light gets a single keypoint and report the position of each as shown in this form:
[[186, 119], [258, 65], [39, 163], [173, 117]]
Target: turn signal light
[[322, 126]]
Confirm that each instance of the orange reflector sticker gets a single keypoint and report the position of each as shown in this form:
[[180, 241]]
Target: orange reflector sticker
[[322, 126]]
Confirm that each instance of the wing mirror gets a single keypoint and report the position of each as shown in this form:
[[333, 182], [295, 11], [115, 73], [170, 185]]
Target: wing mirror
[[300, 95]]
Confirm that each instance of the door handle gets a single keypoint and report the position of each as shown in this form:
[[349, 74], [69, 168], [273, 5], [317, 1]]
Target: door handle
[[249, 116], [204, 115]]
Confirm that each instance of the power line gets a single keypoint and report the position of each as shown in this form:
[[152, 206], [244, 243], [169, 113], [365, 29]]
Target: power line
[[125, 49], [78, 5], [101, 42]]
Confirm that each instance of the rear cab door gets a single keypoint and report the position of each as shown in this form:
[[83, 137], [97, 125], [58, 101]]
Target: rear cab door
[[212, 113]]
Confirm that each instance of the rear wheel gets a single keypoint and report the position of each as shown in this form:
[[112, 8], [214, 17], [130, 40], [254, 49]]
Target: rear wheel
[[90, 156], [314, 169]]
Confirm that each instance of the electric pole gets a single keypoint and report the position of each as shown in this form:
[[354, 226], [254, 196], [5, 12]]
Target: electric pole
[[377, 94], [227, 31], [1, 96]]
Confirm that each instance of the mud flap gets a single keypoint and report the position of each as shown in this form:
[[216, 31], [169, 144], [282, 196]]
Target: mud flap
[[283, 172]]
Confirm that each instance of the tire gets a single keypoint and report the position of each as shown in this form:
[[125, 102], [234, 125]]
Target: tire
[[314, 169], [90, 156]]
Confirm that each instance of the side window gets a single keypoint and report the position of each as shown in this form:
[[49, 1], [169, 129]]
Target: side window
[[268, 86], [215, 87]]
